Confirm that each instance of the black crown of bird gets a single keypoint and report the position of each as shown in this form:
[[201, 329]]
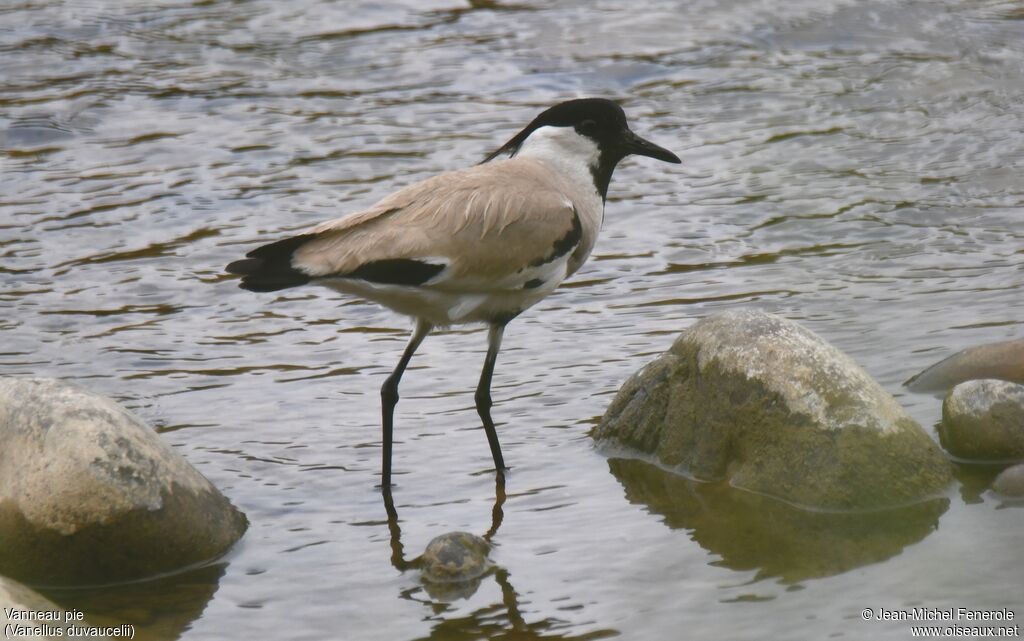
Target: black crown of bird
[[475, 245]]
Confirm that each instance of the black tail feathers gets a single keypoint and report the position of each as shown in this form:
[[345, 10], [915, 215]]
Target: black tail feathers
[[269, 268]]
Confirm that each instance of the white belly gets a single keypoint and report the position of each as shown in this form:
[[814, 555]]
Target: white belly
[[442, 307]]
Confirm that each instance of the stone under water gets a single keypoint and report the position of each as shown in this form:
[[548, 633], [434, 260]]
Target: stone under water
[[747, 531], [1010, 482], [26, 614]]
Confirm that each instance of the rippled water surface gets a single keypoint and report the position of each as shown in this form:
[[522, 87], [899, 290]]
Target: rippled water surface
[[855, 166]]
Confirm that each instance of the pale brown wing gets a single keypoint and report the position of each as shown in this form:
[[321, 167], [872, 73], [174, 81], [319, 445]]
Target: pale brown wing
[[483, 224]]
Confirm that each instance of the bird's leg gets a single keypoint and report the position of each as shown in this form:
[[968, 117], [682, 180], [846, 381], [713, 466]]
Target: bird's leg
[[389, 398], [483, 393]]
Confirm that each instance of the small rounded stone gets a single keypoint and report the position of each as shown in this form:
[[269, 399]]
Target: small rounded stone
[[454, 557], [984, 420]]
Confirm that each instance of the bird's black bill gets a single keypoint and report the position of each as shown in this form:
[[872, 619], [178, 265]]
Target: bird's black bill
[[637, 145]]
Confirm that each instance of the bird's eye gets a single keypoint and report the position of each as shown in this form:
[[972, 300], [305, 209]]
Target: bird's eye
[[587, 127]]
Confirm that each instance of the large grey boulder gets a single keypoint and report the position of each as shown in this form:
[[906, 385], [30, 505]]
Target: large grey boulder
[[1003, 361], [768, 405], [984, 420], [90, 494]]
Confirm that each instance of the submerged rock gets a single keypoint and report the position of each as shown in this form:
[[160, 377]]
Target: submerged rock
[[89, 494], [749, 531], [768, 405], [984, 420], [1003, 361], [26, 614], [1010, 482]]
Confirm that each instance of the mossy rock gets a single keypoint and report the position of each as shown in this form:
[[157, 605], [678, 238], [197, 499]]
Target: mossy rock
[[983, 420], [761, 402], [455, 557]]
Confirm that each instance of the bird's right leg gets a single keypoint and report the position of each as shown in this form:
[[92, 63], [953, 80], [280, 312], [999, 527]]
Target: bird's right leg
[[483, 393], [389, 398]]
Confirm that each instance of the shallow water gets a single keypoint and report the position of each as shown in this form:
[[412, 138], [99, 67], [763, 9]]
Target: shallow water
[[853, 166]]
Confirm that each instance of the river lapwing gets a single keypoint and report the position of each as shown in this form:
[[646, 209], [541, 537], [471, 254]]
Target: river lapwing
[[475, 245]]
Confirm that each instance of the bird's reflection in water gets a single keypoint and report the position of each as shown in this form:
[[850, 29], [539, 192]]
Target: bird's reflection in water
[[501, 620]]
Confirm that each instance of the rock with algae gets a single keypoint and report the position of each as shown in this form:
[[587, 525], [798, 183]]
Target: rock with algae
[[768, 405], [984, 420], [90, 494], [453, 565], [454, 557]]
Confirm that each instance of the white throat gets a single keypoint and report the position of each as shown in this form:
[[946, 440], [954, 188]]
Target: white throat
[[565, 151]]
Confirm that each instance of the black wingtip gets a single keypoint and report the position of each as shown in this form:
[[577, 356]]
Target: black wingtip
[[244, 266], [267, 285], [269, 268]]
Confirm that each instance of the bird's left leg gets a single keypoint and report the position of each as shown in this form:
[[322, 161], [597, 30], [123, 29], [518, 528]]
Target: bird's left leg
[[483, 393]]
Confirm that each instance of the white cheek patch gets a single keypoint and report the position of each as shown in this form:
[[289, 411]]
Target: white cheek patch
[[561, 145], [566, 152]]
